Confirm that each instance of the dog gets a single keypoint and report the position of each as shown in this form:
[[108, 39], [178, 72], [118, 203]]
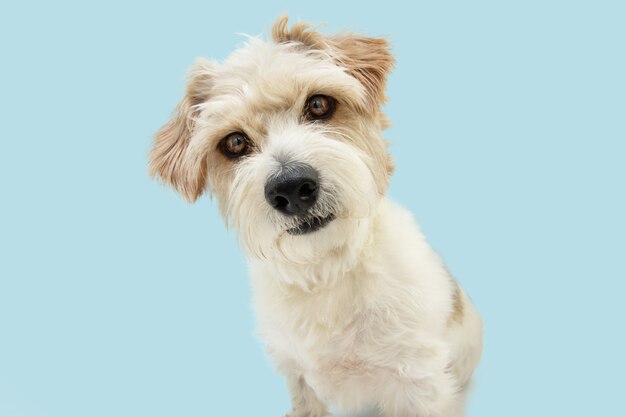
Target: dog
[[355, 308]]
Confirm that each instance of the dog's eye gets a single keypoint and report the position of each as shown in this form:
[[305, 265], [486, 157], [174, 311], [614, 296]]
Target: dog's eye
[[319, 107], [235, 145]]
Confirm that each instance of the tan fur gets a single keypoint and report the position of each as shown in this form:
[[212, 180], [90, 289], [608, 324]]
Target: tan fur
[[299, 32], [367, 59], [457, 306], [169, 156]]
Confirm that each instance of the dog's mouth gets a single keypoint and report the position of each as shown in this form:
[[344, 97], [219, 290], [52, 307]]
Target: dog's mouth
[[311, 224]]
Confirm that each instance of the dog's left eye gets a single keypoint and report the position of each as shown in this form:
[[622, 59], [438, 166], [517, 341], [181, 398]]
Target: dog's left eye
[[319, 107]]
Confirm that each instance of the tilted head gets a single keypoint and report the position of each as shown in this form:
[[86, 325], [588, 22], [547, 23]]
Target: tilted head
[[288, 136]]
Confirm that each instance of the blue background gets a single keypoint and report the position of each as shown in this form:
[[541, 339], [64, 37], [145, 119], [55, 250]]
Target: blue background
[[119, 299]]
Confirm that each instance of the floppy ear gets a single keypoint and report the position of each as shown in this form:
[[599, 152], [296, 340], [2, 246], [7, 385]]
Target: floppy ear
[[367, 59], [172, 159]]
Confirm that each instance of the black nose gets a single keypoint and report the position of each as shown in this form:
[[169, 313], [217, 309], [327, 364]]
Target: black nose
[[293, 190]]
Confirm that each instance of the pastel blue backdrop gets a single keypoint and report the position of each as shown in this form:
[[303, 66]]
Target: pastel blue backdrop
[[119, 299]]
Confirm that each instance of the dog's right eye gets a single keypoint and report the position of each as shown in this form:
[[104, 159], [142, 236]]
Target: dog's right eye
[[235, 145]]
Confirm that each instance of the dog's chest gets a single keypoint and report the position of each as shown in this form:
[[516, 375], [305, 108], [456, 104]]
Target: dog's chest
[[327, 342], [320, 331], [318, 325]]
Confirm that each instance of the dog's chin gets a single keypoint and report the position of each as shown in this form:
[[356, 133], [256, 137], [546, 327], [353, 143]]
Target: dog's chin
[[311, 224]]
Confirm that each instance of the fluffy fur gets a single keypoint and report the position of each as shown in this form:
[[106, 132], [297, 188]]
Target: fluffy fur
[[361, 313]]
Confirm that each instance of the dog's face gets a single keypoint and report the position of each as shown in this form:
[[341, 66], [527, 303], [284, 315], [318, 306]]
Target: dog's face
[[287, 135]]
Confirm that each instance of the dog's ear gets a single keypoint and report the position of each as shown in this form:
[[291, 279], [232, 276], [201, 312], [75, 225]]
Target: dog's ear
[[172, 158], [367, 59]]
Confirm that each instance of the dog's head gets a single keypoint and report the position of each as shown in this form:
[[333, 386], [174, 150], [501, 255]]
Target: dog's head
[[287, 135]]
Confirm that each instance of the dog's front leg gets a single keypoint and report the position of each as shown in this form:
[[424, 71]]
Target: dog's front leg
[[305, 402]]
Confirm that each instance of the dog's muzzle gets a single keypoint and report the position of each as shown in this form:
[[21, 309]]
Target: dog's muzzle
[[294, 190]]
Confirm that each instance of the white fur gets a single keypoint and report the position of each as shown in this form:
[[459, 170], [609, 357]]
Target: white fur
[[360, 313], [379, 335]]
